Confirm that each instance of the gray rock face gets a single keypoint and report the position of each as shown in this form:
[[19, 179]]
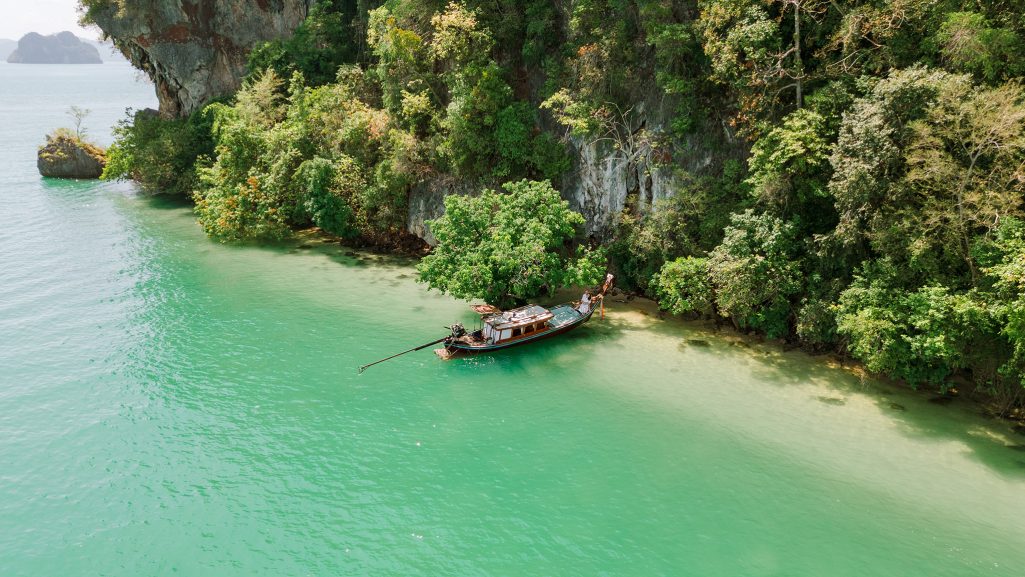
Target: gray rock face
[[65, 157], [427, 202], [195, 51], [62, 48], [604, 176]]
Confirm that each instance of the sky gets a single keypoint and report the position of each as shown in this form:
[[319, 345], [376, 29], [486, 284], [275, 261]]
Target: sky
[[18, 18]]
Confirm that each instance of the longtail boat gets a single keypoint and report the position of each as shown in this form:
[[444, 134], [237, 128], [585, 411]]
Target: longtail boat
[[503, 329]]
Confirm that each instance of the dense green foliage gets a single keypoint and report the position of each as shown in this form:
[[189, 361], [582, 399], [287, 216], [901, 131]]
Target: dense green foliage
[[507, 247], [330, 36], [304, 156], [847, 175], [884, 186], [683, 287], [160, 154]]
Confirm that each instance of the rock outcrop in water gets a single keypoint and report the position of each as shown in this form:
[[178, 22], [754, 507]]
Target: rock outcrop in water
[[65, 156], [62, 48], [196, 51]]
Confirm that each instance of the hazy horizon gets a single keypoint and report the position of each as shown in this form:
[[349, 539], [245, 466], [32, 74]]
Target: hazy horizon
[[43, 16]]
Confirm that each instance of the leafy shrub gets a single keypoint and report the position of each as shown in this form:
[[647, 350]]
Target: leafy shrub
[[790, 170], [325, 202], [920, 336], [504, 248], [241, 211], [327, 39], [755, 273], [816, 323], [682, 286], [158, 153]]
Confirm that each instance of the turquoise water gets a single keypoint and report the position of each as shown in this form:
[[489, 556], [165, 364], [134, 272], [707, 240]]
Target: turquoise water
[[170, 405]]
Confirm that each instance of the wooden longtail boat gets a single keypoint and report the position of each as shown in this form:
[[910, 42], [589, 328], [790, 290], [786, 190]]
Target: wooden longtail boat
[[503, 329]]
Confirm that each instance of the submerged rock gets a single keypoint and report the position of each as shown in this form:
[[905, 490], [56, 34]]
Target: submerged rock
[[65, 156]]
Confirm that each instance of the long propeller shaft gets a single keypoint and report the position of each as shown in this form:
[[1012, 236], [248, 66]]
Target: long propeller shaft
[[423, 346]]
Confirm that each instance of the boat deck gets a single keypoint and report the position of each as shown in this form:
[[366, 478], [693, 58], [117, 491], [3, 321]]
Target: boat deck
[[563, 315]]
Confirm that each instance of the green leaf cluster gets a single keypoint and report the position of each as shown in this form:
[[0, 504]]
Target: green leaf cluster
[[287, 159], [160, 154], [328, 38], [683, 286], [505, 247]]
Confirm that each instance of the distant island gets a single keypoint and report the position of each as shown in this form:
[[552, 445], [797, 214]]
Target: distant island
[[61, 48]]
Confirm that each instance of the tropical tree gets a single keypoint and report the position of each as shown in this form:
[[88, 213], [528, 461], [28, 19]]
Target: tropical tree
[[921, 336], [683, 287], [507, 247], [755, 273], [790, 169], [966, 165]]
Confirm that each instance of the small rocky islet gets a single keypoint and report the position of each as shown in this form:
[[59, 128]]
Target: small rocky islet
[[66, 155]]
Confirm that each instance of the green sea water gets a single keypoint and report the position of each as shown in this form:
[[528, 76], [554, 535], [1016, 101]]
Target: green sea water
[[174, 406]]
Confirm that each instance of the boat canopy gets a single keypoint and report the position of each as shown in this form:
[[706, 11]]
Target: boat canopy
[[518, 317]]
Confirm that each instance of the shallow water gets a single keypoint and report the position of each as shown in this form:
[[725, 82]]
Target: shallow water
[[171, 404]]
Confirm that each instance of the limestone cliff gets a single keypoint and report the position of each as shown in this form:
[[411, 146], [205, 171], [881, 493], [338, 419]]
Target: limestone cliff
[[194, 51], [606, 174]]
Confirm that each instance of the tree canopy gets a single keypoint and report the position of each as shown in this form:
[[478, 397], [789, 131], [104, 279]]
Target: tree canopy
[[505, 247]]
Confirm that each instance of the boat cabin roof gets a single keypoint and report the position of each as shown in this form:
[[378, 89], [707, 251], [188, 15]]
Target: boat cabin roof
[[518, 317]]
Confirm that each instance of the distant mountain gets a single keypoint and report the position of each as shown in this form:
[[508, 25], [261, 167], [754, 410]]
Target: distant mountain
[[6, 47], [62, 48]]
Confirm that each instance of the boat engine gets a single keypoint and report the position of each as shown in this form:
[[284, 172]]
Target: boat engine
[[457, 330]]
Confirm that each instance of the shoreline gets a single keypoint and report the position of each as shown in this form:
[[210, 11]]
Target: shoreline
[[975, 402]]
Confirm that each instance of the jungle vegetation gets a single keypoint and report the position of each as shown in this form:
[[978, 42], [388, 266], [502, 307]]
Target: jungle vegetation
[[865, 189]]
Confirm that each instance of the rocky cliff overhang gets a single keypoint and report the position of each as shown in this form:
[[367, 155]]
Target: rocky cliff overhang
[[195, 51]]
